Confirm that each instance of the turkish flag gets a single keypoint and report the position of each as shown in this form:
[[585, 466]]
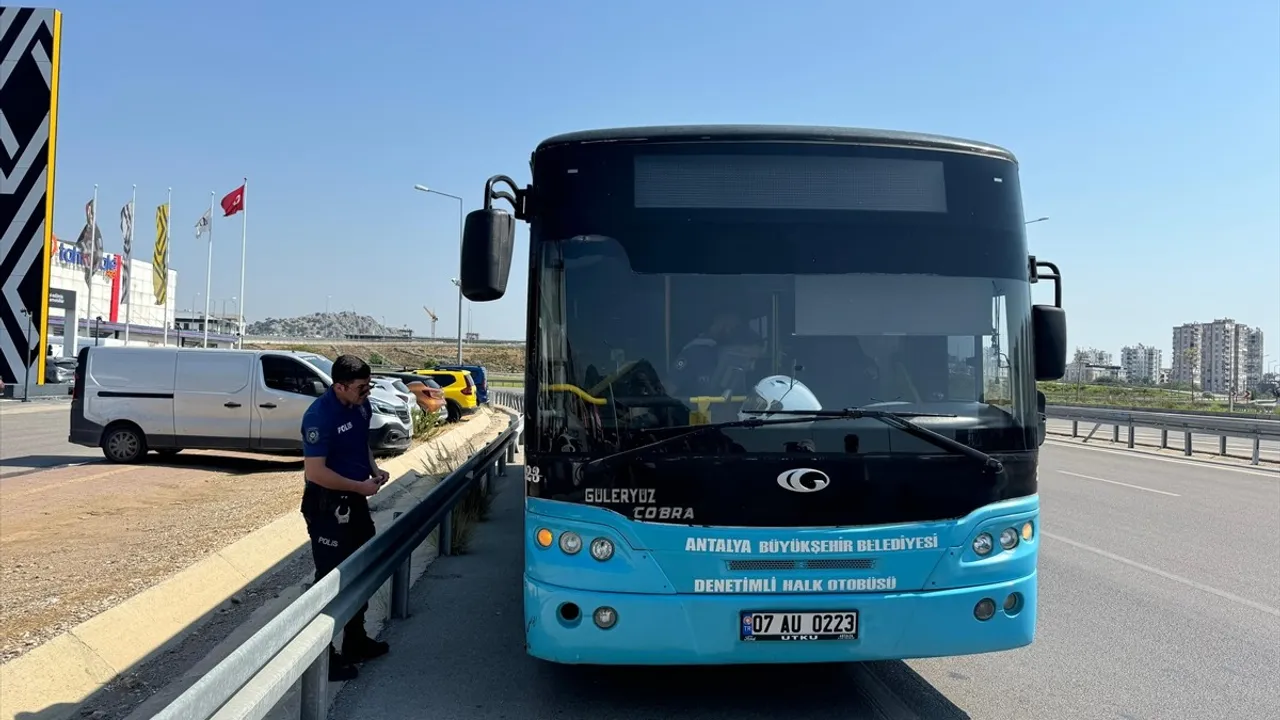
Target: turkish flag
[[233, 202]]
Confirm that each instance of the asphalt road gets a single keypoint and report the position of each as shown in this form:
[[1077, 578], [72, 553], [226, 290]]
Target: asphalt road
[[33, 436], [1158, 599]]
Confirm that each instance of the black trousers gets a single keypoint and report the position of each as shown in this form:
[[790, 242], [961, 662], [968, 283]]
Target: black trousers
[[333, 541]]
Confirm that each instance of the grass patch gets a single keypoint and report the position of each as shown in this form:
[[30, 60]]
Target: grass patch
[[476, 503]]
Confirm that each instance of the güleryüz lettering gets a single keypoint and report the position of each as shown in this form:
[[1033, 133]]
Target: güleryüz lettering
[[810, 547], [620, 496], [793, 585]]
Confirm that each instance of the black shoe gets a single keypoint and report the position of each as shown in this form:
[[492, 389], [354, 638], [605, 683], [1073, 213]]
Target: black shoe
[[359, 649], [340, 668]]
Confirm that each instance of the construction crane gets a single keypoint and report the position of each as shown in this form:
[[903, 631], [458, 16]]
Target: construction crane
[[434, 320]]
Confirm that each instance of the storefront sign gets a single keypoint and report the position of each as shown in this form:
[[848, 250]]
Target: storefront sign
[[70, 255]]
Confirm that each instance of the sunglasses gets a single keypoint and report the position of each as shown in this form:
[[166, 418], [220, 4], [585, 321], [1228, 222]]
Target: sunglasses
[[361, 388]]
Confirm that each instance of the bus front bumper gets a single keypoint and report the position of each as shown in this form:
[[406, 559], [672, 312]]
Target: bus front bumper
[[704, 629]]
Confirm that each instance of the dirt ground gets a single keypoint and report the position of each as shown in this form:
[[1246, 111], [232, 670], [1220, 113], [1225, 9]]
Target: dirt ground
[[75, 541]]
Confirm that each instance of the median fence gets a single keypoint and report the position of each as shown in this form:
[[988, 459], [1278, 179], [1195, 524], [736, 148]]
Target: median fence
[[292, 649], [1255, 429]]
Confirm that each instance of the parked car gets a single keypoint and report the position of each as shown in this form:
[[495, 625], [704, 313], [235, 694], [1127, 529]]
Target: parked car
[[428, 394], [480, 377], [459, 391], [129, 400]]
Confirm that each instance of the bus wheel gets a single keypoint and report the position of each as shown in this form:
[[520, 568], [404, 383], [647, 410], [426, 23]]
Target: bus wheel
[[124, 443]]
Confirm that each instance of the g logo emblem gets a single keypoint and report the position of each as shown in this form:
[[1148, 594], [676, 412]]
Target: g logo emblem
[[804, 480]]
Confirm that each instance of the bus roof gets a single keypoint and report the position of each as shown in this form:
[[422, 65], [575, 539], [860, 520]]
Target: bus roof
[[777, 133]]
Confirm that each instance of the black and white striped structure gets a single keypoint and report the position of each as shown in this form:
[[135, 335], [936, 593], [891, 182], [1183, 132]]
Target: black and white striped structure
[[29, 58]]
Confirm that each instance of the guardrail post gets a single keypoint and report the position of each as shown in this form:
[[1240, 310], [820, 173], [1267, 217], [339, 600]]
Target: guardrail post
[[511, 451], [446, 534], [1075, 428], [1131, 434], [1164, 439], [502, 460], [1222, 445], [1115, 433], [1257, 450], [1186, 443], [400, 586], [314, 690]]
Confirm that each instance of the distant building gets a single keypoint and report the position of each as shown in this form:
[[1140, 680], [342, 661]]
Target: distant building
[[1091, 364], [1219, 357], [1140, 363]]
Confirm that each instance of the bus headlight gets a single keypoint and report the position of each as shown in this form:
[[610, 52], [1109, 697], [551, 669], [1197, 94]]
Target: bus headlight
[[570, 542], [601, 549], [983, 544], [1008, 538]]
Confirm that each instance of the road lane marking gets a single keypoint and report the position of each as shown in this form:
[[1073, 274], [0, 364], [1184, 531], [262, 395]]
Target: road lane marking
[[1117, 482], [1143, 455], [1166, 575]]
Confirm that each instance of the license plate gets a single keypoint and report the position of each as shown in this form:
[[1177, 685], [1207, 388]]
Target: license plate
[[798, 626]]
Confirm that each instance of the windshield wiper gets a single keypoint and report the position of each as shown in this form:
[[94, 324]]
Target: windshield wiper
[[900, 422], [613, 458]]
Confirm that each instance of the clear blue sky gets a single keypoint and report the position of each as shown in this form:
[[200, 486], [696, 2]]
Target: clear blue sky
[[1148, 131]]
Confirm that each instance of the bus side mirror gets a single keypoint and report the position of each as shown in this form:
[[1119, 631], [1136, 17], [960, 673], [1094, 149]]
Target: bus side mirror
[[1049, 328], [487, 242]]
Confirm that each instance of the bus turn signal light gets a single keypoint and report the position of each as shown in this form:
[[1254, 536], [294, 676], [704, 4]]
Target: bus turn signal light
[[1028, 530], [544, 537]]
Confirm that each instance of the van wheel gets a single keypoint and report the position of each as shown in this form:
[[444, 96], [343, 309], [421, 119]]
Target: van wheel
[[454, 414], [124, 444]]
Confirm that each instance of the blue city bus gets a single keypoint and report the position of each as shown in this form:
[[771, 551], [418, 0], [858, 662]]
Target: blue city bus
[[780, 399]]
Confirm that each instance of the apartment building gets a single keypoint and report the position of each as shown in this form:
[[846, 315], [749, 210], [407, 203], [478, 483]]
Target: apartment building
[[1090, 364], [1141, 363], [1219, 357]]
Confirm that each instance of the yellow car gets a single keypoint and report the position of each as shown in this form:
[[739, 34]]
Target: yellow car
[[459, 391]]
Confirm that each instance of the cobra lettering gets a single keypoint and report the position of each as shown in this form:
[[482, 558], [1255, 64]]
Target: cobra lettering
[[662, 513], [621, 496]]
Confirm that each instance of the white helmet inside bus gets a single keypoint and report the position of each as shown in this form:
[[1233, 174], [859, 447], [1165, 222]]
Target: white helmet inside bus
[[778, 392]]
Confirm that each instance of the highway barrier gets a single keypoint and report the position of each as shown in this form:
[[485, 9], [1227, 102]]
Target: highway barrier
[[1222, 426], [292, 649]]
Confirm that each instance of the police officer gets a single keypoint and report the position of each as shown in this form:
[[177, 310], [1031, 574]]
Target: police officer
[[340, 475]]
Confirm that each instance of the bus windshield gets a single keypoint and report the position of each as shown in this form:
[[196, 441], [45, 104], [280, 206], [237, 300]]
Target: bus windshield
[[703, 300]]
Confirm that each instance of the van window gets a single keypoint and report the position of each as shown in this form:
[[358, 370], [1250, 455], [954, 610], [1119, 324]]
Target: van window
[[133, 368], [213, 372], [288, 375], [443, 379]]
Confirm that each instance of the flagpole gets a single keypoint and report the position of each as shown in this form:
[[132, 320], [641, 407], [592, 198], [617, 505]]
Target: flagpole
[[244, 235], [168, 213], [208, 271], [88, 304], [128, 263]]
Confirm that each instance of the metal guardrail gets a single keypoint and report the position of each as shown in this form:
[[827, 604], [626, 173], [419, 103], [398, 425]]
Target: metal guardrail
[[292, 649], [513, 399], [1223, 427]]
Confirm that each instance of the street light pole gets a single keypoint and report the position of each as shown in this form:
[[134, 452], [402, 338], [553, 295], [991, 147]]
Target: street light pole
[[26, 383], [425, 189]]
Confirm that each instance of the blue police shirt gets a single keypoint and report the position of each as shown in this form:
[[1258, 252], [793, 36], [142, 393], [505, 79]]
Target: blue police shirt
[[340, 434]]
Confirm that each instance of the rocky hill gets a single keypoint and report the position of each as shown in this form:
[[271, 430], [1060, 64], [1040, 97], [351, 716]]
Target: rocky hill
[[318, 325]]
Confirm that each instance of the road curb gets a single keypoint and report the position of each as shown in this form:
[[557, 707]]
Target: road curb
[[51, 681]]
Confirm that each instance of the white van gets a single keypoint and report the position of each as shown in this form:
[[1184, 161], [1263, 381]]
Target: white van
[[129, 400]]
